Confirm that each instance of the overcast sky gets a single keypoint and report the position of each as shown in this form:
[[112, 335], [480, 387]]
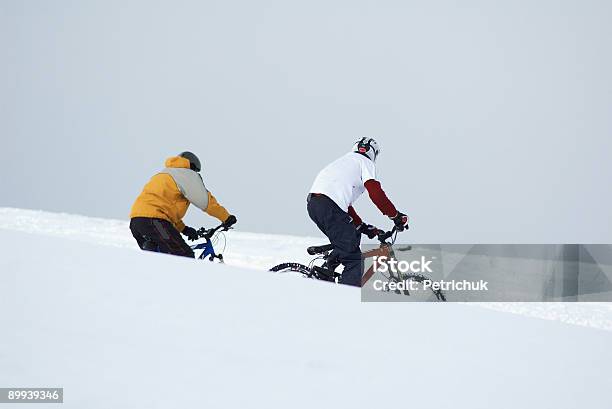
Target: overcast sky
[[494, 117]]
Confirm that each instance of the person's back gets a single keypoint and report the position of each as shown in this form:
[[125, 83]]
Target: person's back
[[163, 197], [343, 179], [157, 213], [330, 205]]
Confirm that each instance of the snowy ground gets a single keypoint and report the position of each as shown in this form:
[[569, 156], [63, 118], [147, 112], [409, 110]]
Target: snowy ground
[[119, 328], [261, 251], [249, 250]]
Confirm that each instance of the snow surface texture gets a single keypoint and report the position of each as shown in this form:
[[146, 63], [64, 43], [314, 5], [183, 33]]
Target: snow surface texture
[[261, 251], [118, 328]]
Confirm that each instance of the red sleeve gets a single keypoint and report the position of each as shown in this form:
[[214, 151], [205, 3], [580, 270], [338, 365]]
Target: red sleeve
[[379, 197], [354, 215]]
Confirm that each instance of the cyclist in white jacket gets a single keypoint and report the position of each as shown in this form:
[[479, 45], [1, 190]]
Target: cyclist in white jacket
[[330, 205]]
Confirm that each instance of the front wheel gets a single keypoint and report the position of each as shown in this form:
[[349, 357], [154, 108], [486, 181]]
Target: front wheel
[[420, 278]]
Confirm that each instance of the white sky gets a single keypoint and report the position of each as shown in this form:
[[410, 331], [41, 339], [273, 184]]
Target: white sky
[[494, 117]]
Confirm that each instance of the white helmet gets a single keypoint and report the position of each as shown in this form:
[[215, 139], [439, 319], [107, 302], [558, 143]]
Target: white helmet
[[367, 147]]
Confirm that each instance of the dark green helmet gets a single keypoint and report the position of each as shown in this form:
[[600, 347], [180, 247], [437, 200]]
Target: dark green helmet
[[194, 162]]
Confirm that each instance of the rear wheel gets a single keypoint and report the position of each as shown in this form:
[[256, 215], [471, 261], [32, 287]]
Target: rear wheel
[[292, 267]]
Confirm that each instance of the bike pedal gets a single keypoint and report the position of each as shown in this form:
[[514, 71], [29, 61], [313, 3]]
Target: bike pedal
[[325, 274]]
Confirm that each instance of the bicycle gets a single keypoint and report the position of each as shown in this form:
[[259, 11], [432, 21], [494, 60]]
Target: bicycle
[[326, 271], [211, 237]]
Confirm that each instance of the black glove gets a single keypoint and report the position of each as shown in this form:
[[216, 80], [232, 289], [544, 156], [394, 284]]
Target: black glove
[[401, 221], [230, 221], [368, 230], [191, 233]]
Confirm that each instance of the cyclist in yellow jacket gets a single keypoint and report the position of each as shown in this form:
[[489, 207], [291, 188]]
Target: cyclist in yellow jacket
[[156, 215]]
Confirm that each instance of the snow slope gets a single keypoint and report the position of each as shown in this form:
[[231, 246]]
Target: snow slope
[[243, 249], [119, 328], [262, 251]]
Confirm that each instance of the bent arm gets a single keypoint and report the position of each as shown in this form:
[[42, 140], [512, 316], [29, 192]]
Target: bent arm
[[379, 198], [215, 209]]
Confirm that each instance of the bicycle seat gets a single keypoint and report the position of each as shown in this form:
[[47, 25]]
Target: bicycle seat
[[312, 250]]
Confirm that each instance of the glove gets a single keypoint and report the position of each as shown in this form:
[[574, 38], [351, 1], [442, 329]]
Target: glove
[[191, 233], [401, 221], [368, 230], [230, 221]]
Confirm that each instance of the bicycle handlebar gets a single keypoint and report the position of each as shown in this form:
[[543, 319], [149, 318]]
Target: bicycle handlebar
[[207, 234], [382, 237]]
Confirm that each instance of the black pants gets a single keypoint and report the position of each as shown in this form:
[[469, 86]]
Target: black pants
[[159, 235], [336, 224]]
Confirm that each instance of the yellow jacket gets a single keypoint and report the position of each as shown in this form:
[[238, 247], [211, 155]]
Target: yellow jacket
[[169, 193]]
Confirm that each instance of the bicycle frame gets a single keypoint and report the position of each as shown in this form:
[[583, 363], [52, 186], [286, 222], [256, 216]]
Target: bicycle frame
[[385, 250], [207, 251], [207, 247]]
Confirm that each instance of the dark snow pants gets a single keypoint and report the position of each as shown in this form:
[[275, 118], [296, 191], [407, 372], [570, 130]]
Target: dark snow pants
[[337, 225], [159, 235]]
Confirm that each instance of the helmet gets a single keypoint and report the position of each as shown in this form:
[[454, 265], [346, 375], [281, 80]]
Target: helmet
[[367, 147], [194, 162]]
